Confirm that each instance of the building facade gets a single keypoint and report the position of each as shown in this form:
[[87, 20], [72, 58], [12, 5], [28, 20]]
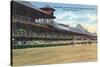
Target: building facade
[[34, 27]]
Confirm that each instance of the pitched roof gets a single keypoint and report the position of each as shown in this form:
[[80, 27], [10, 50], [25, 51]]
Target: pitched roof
[[77, 29], [26, 3]]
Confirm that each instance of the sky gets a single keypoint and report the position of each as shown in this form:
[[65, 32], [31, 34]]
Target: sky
[[73, 14]]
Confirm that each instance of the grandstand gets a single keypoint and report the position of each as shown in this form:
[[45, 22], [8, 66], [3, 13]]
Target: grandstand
[[34, 27]]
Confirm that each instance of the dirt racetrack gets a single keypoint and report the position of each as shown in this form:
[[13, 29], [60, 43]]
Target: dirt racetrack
[[54, 55]]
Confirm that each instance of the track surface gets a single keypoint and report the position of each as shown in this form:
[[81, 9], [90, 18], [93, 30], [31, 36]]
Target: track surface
[[54, 55]]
